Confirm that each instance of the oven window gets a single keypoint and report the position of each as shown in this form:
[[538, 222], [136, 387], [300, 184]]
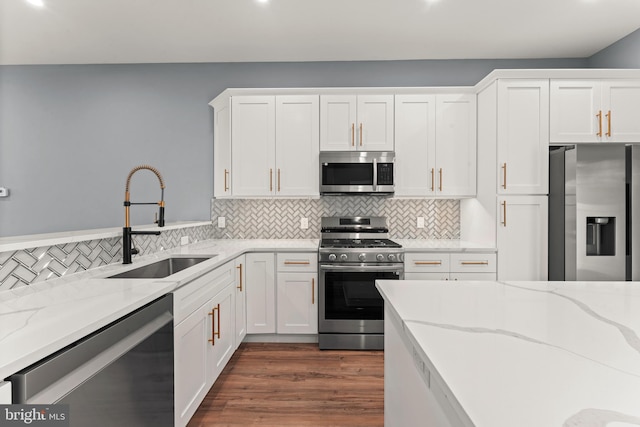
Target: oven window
[[347, 174], [353, 295]]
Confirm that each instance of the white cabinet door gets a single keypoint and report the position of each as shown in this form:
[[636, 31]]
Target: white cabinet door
[[522, 237], [253, 148], [191, 359], [415, 142], [222, 150], [337, 122], [241, 301], [456, 145], [297, 303], [575, 111], [297, 145], [222, 344], [621, 104], [350, 122], [375, 123], [261, 293], [523, 136]]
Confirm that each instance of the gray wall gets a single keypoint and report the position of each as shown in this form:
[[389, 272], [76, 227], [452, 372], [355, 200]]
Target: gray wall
[[625, 53], [69, 134]]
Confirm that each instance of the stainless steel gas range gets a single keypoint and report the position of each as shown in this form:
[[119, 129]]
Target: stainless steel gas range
[[354, 253]]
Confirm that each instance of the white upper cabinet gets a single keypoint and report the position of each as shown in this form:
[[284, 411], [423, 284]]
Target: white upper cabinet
[[356, 122], [456, 145], [594, 111], [435, 145], [523, 137], [254, 145], [297, 146], [275, 145], [415, 145], [222, 149]]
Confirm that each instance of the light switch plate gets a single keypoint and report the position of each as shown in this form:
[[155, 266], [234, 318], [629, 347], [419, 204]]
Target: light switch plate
[[420, 222], [4, 192], [222, 223]]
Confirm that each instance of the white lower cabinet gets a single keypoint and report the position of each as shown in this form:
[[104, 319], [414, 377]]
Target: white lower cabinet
[[450, 266], [260, 294], [522, 235], [241, 301], [297, 293], [204, 337], [282, 293]]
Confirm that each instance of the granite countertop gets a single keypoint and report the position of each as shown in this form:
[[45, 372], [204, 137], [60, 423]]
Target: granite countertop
[[528, 353], [42, 318]]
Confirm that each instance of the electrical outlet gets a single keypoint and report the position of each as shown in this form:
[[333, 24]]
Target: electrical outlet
[[420, 222], [304, 223], [222, 223], [184, 240]]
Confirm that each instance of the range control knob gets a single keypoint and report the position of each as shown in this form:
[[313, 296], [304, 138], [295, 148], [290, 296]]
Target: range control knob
[[380, 257], [343, 257], [362, 257], [392, 257], [332, 257]]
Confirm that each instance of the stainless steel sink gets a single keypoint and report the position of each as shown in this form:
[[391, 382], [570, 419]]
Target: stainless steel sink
[[160, 269]]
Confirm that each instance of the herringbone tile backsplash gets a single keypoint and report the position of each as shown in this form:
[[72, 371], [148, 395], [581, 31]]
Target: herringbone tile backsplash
[[23, 267], [280, 218]]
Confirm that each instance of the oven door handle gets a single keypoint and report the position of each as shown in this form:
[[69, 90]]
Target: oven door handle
[[386, 268]]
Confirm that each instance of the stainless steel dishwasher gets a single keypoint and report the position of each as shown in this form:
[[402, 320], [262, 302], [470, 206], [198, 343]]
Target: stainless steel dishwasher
[[121, 375]]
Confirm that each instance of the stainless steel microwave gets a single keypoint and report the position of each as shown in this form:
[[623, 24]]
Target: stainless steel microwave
[[352, 172]]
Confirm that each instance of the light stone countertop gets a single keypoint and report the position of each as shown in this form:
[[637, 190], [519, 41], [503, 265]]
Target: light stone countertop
[[528, 354], [40, 319], [444, 245]]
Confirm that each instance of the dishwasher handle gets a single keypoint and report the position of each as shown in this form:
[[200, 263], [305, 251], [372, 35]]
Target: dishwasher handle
[[52, 379]]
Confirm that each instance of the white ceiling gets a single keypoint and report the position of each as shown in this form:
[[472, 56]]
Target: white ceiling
[[153, 31]]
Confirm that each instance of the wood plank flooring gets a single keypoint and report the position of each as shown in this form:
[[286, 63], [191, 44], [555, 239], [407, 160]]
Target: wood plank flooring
[[296, 385]]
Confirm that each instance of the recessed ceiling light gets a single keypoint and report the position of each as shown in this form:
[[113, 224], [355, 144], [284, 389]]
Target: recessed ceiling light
[[262, 1], [36, 3]]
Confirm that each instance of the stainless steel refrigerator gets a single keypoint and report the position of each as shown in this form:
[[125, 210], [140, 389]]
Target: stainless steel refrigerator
[[594, 212]]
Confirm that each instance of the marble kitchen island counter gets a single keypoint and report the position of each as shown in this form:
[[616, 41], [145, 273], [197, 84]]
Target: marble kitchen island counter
[[504, 354]]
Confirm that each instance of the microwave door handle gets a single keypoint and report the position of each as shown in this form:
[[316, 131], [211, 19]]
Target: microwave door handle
[[375, 175]]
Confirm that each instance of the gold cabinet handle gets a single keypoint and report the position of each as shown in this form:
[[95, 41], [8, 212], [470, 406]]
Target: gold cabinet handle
[[428, 262], [433, 179], [240, 286], [313, 291], [226, 183], [297, 263], [599, 116], [504, 176], [440, 186], [504, 213], [608, 123], [270, 179], [278, 180], [360, 134], [353, 134], [214, 334], [474, 262]]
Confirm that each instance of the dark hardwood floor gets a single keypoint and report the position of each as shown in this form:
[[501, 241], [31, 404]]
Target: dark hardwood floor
[[296, 385]]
